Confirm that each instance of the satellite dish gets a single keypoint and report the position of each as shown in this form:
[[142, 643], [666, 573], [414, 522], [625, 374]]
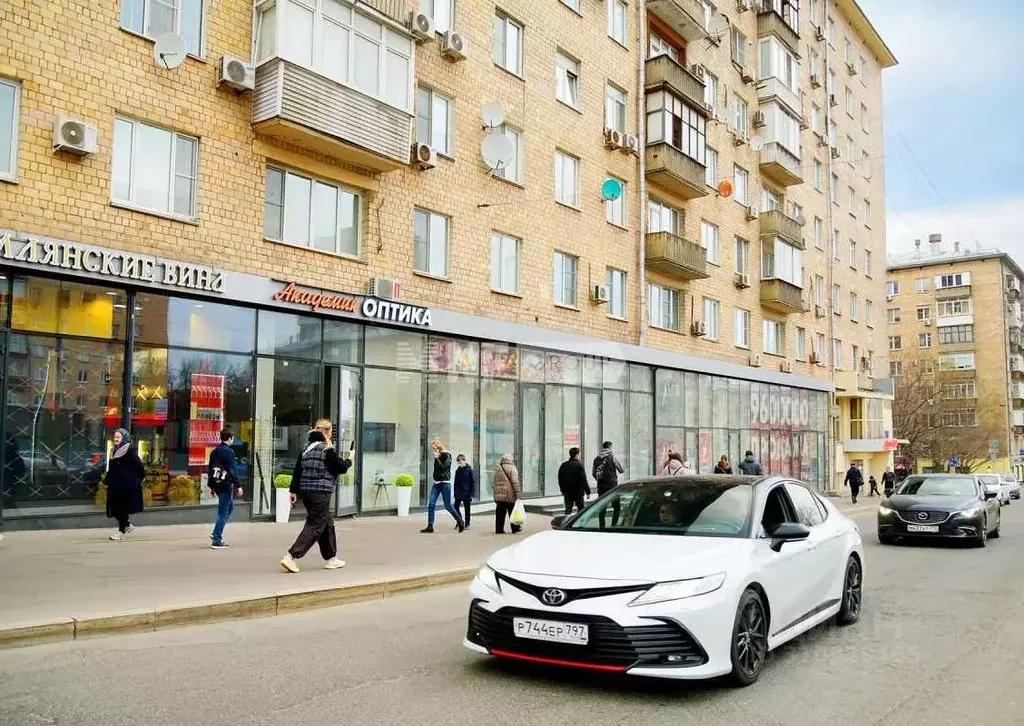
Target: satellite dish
[[611, 189], [718, 25], [493, 115], [497, 151], [756, 143], [169, 51], [725, 188], [801, 220]]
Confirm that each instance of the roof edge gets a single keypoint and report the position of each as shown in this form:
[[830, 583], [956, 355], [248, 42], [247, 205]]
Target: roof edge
[[867, 31], [909, 264]]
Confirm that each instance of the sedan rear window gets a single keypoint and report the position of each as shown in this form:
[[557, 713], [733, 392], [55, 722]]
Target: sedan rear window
[[940, 486], [990, 480]]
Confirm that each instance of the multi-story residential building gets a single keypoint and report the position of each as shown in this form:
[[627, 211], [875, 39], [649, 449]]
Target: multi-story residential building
[[954, 326], [517, 228]]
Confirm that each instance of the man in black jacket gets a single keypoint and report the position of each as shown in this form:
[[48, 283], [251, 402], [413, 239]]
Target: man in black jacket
[[442, 488], [888, 482], [750, 466], [855, 480], [223, 480], [572, 481]]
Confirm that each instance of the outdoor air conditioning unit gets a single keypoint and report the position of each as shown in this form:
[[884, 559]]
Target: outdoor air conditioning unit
[[424, 156], [236, 74], [742, 280], [832, 100], [815, 81], [815, 358], [759, 119], [890, 298], [74, 136], [743, 6], [819, 311], [613, 138], [599, 293], [807, 305], [834, 151], [755, 361], [822, 141], [698, 70], [422, 26], [454, 46], [747, 75], [851, 69], [385, 288], [699, 328], [630, 144], [927, 322], [751, 213], [739, 136], [786, 367], [819, 33]]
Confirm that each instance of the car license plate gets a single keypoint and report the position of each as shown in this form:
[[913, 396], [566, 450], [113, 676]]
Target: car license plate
[[549, 630], [923, 528]]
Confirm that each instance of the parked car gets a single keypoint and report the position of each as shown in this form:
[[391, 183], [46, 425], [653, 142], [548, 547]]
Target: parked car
[[940, 506], [995, 483], [1011, 481]]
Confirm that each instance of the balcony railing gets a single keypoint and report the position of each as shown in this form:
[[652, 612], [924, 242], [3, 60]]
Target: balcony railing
[[781, 296], [662, 71], [394, 9], [676, 257], [781, 165], [779, 224], [942, 293], [301, 107], [772, 88], [686, 17], [1018, 419], [770, 22], [674, 171]]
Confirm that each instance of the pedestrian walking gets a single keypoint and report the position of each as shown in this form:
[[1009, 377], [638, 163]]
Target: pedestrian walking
[[723, 466], [888, 482], [505, 486], [313, 481], [606, 470], [687, 469], [465, 486], [855, 480], [223, 479], [442, 488], [750, 466], [674, 465], [874, 487], [123, 480], [572, 481]]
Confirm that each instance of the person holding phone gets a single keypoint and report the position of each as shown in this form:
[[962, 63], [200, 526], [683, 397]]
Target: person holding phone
[[442, 488]]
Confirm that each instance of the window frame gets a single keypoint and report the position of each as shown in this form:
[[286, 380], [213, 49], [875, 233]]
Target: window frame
[[500, 239], [506, 21], [197, 54], [610, 273], [434, 95], [711, 316], [568, 79], [741, 328], [431, 214], [741, 255], [130, 202], [672, 298], [518, 163], [779, 336], [616, 110], [711, 242], [613, 9], [613, 205], [801, 344], [432, 12], [561, 277], [313, 180], [560, 159], [11, 174]]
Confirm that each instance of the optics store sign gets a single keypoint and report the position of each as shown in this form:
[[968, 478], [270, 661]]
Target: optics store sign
[[111, 264], [367, 307]]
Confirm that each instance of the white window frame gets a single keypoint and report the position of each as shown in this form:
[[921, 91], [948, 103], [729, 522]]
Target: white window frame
[[616, 293], [924, 312], [513, 171], [574, 5], [615, 209], [853, 254], [963, 361], [565, 279], [500, 243], [773, 337], [741, 255], [894, 316], [656, 45], [741, 328], [567, 79], [176, 5], [710, 90], [435, 99], [819, 175], [869, 313], [712, 310], [664, 307], [867, 263], [711, 167], [954, 307], [313, 183], [618, 21], [819, 290], [924, 340], [662, 217], [892, 287], [818, 231], [9, 166], [567, 171], [131, 200], [896, 368], [837, 354], [801, 344], [432, 246], [503, 23], [738, 46], [615, 108], [895, 342], [709, 240], [818, 347], [854, 307], [741, 184], [442, 22]]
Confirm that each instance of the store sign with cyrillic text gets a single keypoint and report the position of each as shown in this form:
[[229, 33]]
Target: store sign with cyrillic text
[[368, 307]]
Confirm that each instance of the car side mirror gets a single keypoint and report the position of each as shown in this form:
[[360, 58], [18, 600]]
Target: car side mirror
[[991, 495], [557, 522], [788, 532]]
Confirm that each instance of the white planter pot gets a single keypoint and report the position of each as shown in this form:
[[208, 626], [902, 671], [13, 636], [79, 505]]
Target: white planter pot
[[283, 505], [404, 495]]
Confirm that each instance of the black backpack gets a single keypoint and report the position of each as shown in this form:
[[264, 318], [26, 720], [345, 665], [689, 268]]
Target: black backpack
[[605, 473]]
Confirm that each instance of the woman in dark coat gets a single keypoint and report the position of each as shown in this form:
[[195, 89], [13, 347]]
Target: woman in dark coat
[[124, 484]]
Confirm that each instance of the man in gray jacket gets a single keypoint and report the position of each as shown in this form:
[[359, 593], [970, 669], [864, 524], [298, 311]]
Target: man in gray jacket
[[750, 466]]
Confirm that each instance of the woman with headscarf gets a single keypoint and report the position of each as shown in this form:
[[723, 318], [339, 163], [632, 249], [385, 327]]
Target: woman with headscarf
[[674, 465], [124, 484]]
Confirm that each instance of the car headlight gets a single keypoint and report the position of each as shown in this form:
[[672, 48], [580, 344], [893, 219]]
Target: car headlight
[[680, 589], [971, 511], [489, 578], [884, 510]]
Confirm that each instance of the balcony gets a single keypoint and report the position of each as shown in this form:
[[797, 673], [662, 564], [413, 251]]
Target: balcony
[[1017, 366], [781, 165], [1018, 419], [772, 89], [778, 224], [675, 172], [942, 293], [686, 17], [298, 106], [663, 72], [1017, 392], [394, 9], [781, 297], [770, 22], [676, 257]]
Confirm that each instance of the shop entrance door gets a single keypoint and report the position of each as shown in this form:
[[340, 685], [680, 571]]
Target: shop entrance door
[[343, 393]]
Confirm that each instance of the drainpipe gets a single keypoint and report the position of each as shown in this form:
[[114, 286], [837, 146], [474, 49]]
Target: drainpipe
[[641, 134], [830, 248]]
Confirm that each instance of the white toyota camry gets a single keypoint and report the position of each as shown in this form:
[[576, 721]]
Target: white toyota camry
[[682, 577]]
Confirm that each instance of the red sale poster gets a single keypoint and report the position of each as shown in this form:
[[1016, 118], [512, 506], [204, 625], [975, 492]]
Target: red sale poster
[[206, 416]]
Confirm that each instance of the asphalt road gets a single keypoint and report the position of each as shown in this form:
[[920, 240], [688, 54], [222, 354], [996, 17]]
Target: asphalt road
[[940, 644]]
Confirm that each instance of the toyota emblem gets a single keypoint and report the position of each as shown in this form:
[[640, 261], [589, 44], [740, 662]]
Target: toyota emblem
[[553, 597], [922, 515]]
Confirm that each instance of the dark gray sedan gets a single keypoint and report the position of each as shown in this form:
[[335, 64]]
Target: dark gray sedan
[[940, 506]]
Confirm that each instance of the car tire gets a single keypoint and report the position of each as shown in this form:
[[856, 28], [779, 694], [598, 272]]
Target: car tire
[[749, 648], [885, 539], [853, 593], [994, 534], [982, 539]]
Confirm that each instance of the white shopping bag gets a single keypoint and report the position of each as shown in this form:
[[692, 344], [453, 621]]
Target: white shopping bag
[[519, 513]]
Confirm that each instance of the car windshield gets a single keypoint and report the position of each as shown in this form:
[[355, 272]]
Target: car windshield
[[717, 507], [938, 486], [990, 480]]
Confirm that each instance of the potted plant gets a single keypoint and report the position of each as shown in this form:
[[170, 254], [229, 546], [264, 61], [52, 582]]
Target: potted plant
[[403, 489], [282, 502], [183, 490]]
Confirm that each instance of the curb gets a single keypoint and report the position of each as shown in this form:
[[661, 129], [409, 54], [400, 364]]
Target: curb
[[282, 603]]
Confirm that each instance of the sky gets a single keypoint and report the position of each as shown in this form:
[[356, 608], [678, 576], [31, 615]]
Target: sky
[[954, 120]]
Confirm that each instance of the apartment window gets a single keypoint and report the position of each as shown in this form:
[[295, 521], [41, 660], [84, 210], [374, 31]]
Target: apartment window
[[853, 254], [867, 213], [741, 328], [837, 245], [738, 46], [434, 120], [854, 357], [830, 30], [153, 18], [740, 114], [10, 98], [854, 312], [863, 70], [662, 217], [819, 348], [837, 354], [615, 209], [924, 313], [565, 279], [615, 108], [567, 76], [574, 4], [154, 169], [508, 44], [924, 340], [782, 261], [741, 255], [957, 280], [864, 118], [505, 263], [656, 45], [567, 179], [921, 284], [895, 342], [819, 290], [833, 132], [869, 313], [895, 368], [513, 170], [819, 175], [818, 227], [771, 201], [865, 162], [816, 12], [894, 316], [312, 213], [711, 169], [709, 240], [672, 121], [801, 344], [956, 334], [442, 11], [774, 335], [816, 119], [712, 310], [616, 282], [778, 62], [815, 63], [740, 183], [432, 245], [867, 263], [851, 201], [664, 307], [953, 307], [892, 287], [849, 102], [928, 367], [834, 190], [710, 90], [954, 391], [847, 50], [960, 419], [956, 361], [837, 296], [830, 85], [617, 21]]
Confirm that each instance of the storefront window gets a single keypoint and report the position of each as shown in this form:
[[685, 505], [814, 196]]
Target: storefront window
[[178, 322], [532, 365], [447, 355], [591, 426], [562, 429], [451, 414], [592, 373], [616, 374], [394, 348], [47, 306], [497, 427], [391, 441], [5, 299], [690, 400], [641, 433], [531, 466], [343, 342], [561, 368], [290, 336], [499, 361], [615, 421]]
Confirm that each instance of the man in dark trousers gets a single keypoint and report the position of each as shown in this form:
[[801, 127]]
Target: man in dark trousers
[[223, 481], [313, 481], [606, 472], [855, 480], [572, 481], [888, 482]]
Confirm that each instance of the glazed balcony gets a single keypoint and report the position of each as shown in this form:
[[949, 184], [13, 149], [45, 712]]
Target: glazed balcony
[[771, 20], [781, 165], [663, 72], [772, 89], [686, 17], [779, 224], [676, 257], [675, 172], [394, 9], [781, 297]]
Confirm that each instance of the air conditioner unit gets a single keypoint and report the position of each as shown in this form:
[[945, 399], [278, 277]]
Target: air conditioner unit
[[786, 367], [422, 26], [747, 75], [822, 141], [742, 280], [807, 305], [613, 138], [751, 213], [699, 328], [819, 311], [851, 69], [832, 100], [599, 293], [834, 151], [74, 136], [814, 359], [890, 298], [631, 144], [698, 70], [804, 123], [739, 136], [819, 33], [815, 81], [927, 322], [755, 361], [759, 121], [454, 46], [385, 288], [236, 74], [742, 6], [424, 156]]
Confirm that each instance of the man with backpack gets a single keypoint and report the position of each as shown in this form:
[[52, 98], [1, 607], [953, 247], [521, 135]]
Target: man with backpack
[[606, 472], [223, 482]]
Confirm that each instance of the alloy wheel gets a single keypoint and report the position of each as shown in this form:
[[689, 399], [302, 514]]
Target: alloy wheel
[[752, 638], [853, 592]]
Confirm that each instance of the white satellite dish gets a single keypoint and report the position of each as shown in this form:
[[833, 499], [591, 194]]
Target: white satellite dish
[[493, 115], [497, 151], [718, 25], [169, 51], [756, 143]]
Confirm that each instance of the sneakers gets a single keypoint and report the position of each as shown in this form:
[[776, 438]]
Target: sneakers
[[288, 564], [118, 537], [219, 546], [131, 528], [334, 564], [427, 530]]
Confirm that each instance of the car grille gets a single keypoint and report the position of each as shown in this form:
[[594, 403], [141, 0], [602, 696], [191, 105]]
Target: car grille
[[932, 518], [610, 644]]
